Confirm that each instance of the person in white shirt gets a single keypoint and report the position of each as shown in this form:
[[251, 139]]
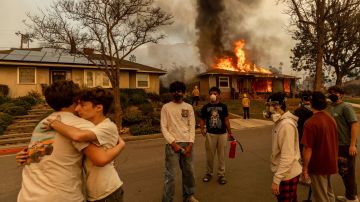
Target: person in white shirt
[[178, 127], [102, 183], [53, 162]]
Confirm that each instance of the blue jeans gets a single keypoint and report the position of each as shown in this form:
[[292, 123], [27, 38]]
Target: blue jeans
[[186, 166]]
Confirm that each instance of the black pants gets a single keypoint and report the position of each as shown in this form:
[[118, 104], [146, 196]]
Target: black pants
[[346, 165], [196, 100], [246, 112]]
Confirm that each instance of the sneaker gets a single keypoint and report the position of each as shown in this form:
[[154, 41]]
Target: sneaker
[[344, 199], [207, 178], [222, 180], [192, 199]]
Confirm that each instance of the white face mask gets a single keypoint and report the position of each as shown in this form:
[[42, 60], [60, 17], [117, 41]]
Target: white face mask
[[212, 98], [275, 116]]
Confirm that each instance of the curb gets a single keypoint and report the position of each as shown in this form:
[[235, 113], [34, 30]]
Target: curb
[[14, 150]]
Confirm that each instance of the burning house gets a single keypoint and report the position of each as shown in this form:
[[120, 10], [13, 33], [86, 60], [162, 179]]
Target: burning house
[[234, 76]]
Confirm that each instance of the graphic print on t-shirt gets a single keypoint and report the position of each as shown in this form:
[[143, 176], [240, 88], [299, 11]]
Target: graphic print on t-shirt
[[215, 121]]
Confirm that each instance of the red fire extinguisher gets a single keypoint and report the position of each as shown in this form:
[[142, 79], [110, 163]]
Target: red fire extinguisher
[[232, 149]]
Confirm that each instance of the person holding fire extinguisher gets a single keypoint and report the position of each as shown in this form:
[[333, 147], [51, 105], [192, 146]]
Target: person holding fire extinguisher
[[285, 153], [216, 118]]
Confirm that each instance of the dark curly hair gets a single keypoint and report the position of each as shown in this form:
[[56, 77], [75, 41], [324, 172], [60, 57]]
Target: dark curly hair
[[216, 89], [279, 98], [318, 100], [61, 94], [98, 96], [177, 86]]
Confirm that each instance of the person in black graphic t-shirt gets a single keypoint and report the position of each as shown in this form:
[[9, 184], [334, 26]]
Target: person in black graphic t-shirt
[[216, 118]]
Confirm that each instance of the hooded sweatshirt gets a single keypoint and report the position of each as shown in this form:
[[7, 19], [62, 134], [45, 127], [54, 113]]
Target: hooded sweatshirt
[[285, 154]]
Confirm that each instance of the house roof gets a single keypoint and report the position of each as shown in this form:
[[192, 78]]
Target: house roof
[[253, 74], [50, 57]]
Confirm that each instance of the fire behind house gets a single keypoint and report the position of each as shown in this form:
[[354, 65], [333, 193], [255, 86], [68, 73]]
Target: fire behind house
[[235, 76]]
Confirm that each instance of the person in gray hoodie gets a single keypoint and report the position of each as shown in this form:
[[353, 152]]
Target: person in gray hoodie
[[285, 154]]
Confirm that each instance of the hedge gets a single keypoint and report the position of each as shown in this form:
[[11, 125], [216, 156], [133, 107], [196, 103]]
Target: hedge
[[5, 120]]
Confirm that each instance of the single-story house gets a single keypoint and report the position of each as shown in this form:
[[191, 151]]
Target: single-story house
[[233, 83], [24, 70]]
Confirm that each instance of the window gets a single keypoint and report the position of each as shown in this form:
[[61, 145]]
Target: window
[[224, 82], [142, 80], [96, 78], [26, 75]]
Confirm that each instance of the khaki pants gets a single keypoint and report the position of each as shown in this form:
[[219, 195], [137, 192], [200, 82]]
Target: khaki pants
[[215, 143], [321, 188]]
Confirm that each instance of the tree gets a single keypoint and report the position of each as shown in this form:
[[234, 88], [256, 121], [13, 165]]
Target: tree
[[319, 25], [342, 49], [104, 31]]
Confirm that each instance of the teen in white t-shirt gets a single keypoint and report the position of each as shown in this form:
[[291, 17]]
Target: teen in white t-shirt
[[104, 181]]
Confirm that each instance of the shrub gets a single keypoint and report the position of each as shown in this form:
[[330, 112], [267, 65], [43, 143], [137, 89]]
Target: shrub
[[131, 91], [4, 99], [14, 110], [154, 97], [134, 117], [146, 108], [4, 90], [6, 105], [5, 120], [137, 99], [144, 129], [22, 103], [30, 99], [166, 97], [124, 101]]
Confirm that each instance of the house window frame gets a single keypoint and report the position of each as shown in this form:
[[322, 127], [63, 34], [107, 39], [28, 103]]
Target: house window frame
[[148, 80], [94, 73], [26, 83], [228, 82]]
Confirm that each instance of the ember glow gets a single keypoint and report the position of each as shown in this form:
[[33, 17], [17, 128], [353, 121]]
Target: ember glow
[[240, 64]]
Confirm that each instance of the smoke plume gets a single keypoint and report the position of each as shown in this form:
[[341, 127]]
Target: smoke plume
[[220, 23]]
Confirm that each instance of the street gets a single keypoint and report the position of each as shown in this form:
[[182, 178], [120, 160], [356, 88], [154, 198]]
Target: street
[[141, 167]]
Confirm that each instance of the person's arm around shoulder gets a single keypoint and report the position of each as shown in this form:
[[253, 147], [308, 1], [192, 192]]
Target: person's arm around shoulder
[[75, 134], [100, 156]]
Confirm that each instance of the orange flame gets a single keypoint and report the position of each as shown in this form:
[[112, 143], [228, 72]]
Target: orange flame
[[241, 66]]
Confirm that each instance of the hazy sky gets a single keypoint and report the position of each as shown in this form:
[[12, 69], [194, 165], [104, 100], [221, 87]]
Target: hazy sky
[[266, 23]]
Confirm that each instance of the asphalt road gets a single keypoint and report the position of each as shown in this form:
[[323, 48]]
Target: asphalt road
[[141, 168]]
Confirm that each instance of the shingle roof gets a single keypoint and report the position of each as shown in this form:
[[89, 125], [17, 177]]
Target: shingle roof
[[51, 56]]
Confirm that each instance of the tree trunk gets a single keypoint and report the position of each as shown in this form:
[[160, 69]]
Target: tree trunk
[[320, 45], [117, 105], [339, 80]]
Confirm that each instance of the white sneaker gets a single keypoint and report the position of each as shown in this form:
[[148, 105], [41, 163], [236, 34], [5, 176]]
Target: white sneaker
[[344, 199], [192, 199]]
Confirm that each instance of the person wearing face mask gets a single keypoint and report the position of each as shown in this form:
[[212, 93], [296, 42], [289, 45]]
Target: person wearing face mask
[[348, 129], [216, 118], [285, 154], [320, 149], [303, 112], [178, 127]]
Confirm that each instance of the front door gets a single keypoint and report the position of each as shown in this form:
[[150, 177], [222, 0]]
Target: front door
[[58, 75]]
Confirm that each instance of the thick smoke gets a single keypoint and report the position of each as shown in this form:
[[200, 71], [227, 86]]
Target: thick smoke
[[220, 23]]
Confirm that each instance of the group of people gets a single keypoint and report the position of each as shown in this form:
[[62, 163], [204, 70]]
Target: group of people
[[313, 145], [78, 139]]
